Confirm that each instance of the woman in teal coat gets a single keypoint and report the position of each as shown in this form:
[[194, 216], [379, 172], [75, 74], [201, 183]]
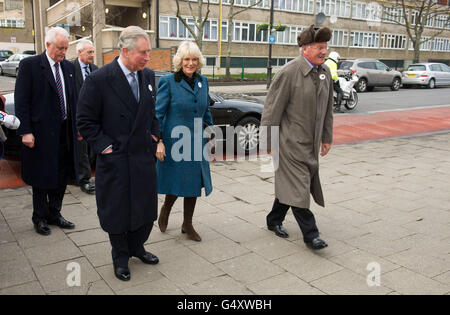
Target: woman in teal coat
[[182, 108]]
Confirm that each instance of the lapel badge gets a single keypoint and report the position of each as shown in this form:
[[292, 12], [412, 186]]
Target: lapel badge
[[199, 84], [150, 88], [322, 76]]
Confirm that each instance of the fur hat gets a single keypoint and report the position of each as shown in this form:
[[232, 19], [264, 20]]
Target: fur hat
[[314, 35]]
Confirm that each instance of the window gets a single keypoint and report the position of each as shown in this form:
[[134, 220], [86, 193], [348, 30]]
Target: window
[[364, 39], [394, 15], [393, 41], [424, 46], [173, 28], [339, 38], [12, 23], [14, 4], [345, 65], [210, 30], [367, 65], [334, 7], [416, 68], [435, 68], [441, 44], [381, 66], [442, 21], [430, 21]]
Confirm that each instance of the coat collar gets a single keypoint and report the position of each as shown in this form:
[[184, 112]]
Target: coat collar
[[306, 69], [45, 66], [122, 88], [178, 76], [48, 73]]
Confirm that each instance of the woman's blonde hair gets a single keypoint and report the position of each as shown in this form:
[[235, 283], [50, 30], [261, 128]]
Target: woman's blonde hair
[[186, 49]]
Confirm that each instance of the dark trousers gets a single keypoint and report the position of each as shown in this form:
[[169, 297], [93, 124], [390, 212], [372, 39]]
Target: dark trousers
[[129, 244], [47, 203], [84, 164], [340, 93], [304, 217]]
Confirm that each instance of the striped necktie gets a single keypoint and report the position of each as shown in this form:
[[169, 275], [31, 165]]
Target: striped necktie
[[86, 72], [59, 87]]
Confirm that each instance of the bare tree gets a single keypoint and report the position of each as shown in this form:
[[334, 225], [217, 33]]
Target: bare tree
[[231, 15], [199, 20], [423, 14]]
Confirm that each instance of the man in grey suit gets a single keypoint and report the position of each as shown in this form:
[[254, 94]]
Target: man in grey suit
[[84, 66]]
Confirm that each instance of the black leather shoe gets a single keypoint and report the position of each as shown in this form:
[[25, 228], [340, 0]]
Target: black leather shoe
[[42, 228], [149, 258], [122, 273], [279, 231], [63, 223], [88, 188], [316, 244]]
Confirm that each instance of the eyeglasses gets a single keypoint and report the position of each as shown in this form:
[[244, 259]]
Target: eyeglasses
[[318, 47]]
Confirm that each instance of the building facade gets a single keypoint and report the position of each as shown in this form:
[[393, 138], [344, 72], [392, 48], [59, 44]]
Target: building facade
[[361, 29], [16, 25]]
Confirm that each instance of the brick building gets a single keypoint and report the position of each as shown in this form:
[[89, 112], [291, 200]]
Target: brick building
[[360, 29], [16, 25]]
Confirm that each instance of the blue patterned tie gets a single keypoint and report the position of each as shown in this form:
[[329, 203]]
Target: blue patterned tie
[[134, 86], [59, 87]]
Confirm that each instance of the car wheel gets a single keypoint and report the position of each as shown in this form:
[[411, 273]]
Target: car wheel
[[1, 71], [247, 135], [396, 84], [431, 84], [361, 86]]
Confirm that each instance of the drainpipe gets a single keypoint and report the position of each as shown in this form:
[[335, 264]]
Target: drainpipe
[[34, 26], [157, 23]]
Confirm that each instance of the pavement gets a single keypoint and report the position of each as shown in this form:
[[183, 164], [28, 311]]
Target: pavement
[[386, 220]]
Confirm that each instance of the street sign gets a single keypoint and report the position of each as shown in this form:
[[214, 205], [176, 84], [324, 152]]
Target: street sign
[[272, 39]]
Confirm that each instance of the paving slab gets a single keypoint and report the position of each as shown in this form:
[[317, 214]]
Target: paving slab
[[385, 203]]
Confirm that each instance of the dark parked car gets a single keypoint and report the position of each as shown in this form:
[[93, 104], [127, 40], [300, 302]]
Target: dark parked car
[[5, 54], [227, 113]]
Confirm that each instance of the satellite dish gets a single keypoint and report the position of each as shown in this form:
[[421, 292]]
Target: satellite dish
[[320, 18]]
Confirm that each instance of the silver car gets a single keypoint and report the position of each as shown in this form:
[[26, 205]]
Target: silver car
[[372, 73], [426, 74], [11, 65]]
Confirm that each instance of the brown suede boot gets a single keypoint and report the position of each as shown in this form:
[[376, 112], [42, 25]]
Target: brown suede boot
[[163, 219], [189, 205]]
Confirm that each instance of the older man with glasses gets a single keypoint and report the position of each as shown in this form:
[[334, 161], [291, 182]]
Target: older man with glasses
[[300, 103]]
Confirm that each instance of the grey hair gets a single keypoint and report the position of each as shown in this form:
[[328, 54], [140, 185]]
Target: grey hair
[[53, 32], [129, 37], [82, 44], [186, 49]]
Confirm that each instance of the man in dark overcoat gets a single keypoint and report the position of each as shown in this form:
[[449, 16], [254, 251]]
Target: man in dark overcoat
[[117, 117], [45, 102], [84, 65]]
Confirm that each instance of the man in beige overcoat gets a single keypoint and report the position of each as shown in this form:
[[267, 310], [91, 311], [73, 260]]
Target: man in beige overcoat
[[300, 103]]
